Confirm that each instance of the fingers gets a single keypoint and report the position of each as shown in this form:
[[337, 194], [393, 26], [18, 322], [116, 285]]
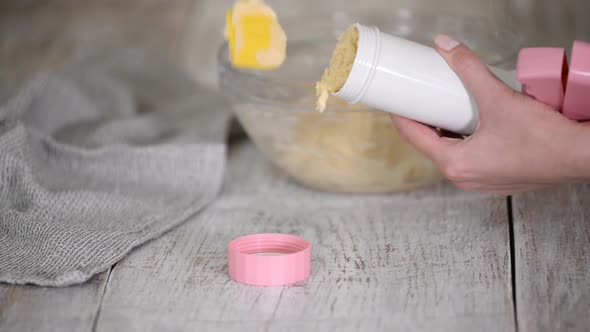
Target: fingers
[[424, 138], [484, 86]]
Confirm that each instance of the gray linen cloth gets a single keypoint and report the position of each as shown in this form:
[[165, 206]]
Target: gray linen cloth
[[99, 158]]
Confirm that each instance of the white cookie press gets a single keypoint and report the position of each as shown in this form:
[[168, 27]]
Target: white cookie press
[[402, 77]]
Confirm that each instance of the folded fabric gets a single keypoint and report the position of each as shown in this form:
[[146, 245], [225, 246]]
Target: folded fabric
[[99, 158]]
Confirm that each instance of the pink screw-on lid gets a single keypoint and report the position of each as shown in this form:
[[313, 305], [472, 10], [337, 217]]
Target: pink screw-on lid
[[543, 74], [269, 259], [577, 97]]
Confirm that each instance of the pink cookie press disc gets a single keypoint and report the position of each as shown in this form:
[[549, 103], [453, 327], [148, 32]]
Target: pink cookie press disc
[[542, 72], [269, 259], [545, 76], [577, 96]]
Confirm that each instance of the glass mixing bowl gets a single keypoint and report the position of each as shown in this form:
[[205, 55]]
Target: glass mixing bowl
[[348, 148]]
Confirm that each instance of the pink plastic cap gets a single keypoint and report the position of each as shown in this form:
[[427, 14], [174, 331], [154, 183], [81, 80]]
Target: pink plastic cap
[[269, 259], [577, 97], [543, 74]]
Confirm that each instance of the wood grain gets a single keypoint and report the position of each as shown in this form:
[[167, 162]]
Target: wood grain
[[552, 245], [436, 259], [31, 308]]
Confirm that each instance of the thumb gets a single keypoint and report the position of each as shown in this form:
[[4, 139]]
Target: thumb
[[483, 85]]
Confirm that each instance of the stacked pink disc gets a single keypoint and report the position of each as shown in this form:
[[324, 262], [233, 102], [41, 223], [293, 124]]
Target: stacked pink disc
[[546, 76]]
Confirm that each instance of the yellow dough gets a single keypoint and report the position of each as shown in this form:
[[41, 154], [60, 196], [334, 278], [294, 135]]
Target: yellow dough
[[255, 37], [351, 150], [341, 63]]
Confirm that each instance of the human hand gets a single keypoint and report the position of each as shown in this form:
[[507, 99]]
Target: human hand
[[520, 144]]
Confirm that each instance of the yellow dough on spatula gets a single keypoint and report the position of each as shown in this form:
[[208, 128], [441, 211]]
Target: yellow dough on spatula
[[256, 39]]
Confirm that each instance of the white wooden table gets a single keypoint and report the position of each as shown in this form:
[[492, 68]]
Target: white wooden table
[[434, 259]]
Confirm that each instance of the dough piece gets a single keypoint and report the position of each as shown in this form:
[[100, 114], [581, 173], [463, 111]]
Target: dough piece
[[341, 63], [355, 152]]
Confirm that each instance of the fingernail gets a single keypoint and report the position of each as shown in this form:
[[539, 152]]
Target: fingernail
[[446, 43]]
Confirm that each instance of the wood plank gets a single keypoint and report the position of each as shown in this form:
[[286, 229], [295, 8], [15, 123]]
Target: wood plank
[[552, 227], [31, 308], [552, 246], [434, 259]]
